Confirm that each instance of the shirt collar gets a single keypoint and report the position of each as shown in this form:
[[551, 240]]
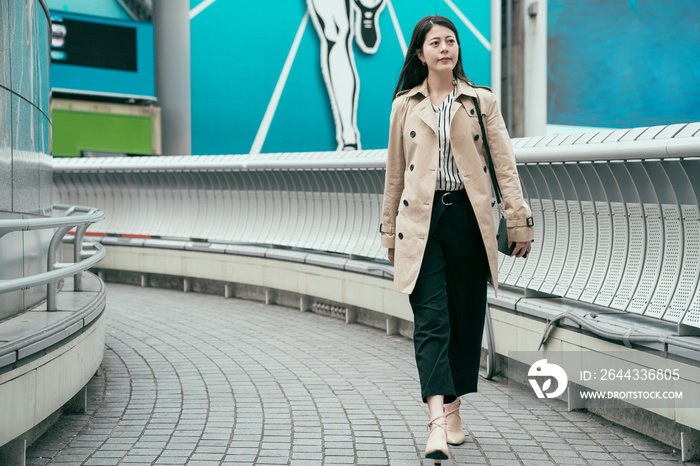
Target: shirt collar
[[463, 88], [449, 99]]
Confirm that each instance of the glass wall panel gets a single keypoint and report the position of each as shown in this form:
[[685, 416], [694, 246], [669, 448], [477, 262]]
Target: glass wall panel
[[25, 160], [21, 45], [5, 152], [42, 51], [45, 161], [36, 81], [4, 43]]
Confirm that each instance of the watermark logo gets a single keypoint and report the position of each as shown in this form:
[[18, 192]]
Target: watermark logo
[[593, 376], [543, 371]]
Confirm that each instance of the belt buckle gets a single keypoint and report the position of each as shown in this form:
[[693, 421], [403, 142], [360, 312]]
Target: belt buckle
[[443, 199]]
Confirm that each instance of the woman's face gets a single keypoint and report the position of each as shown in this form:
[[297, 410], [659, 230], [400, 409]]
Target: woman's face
[[440, 50]]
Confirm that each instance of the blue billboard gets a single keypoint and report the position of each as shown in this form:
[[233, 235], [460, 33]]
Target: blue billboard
[[623, 63], [310, 75]]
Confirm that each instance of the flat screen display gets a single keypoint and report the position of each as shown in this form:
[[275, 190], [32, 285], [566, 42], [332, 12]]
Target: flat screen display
[[97, 45], [98, 56]]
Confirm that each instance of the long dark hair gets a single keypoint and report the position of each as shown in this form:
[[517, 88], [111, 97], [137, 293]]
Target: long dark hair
[[414, 72]]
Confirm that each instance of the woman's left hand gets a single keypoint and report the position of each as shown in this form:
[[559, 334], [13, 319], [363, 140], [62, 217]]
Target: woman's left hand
[[521, 248]]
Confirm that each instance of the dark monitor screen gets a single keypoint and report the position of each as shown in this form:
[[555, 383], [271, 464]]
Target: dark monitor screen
[[99, 56], [95, 45]]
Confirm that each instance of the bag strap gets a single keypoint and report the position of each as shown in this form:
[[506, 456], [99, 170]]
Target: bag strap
[[494, 181]]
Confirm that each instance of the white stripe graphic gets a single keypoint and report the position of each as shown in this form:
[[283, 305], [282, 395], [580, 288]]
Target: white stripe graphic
[[469, 24], [274, 100], [199, 8], [397, 28]]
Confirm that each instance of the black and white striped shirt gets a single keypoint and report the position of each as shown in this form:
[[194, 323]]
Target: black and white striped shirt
[[448, 176]]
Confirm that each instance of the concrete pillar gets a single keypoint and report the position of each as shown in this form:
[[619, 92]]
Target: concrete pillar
[[512, 66], [535, 67], [14, 453], [496, 45], [171, 24], [574, 398], [78, 404], [392, 326], [690, 445], [350, 315]]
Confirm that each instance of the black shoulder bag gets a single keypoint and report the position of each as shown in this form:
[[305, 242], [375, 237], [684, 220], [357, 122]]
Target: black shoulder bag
[[502, 234]]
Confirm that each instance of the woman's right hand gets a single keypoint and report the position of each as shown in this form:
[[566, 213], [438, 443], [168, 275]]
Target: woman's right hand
[[390, 253]]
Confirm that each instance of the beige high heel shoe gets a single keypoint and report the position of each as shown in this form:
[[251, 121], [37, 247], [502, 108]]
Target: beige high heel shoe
[[454, 437], [436, 448]]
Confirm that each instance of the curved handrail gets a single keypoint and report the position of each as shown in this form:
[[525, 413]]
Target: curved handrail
[[63, 224], [93, 215], [607, 151], [45, 278], [367, 160]]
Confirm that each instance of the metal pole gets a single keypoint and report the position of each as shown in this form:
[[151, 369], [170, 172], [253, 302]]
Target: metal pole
[[171, 24], [491, 346], [496, 32], [534, 19], [509, 64], [51, 259], [77, 256]]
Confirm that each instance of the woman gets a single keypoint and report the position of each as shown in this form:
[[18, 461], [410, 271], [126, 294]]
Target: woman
[[437, 218]]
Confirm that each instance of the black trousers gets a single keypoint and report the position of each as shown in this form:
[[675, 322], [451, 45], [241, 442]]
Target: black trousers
[[449, 303]]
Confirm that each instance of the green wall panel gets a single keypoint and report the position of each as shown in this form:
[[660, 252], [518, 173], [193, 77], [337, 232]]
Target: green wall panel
[[74, 132]]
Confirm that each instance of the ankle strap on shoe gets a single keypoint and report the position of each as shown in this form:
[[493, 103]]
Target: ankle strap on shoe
[[452, 408], [438, 421]]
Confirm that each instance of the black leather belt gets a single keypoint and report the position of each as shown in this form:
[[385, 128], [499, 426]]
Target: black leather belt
[[451, 197]]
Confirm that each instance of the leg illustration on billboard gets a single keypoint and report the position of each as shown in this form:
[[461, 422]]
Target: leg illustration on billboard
[[334, 21]]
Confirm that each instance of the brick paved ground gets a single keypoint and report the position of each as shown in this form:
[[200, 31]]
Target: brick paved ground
[[201, 380]]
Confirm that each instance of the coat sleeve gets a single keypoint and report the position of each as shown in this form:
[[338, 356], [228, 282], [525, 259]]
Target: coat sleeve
[[517, 210], [395, 167]]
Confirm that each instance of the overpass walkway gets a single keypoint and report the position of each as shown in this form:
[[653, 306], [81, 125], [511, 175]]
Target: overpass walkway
[[203, 380]]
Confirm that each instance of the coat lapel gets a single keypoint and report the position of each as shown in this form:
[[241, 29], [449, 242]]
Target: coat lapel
[[456, 105], [464, 89], [424, 109]]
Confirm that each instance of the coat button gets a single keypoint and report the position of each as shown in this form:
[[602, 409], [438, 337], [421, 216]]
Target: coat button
[[411, 167], [405, 202], [471, 111], [400, 235], [476, 138], [413, 134], [485, 169]]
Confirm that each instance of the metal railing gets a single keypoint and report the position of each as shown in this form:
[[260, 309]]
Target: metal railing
[[617, 212], [319, 201], [618, 216], [83, 259]]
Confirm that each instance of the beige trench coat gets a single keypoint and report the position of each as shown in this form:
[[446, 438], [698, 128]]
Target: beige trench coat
[[411, 176]]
